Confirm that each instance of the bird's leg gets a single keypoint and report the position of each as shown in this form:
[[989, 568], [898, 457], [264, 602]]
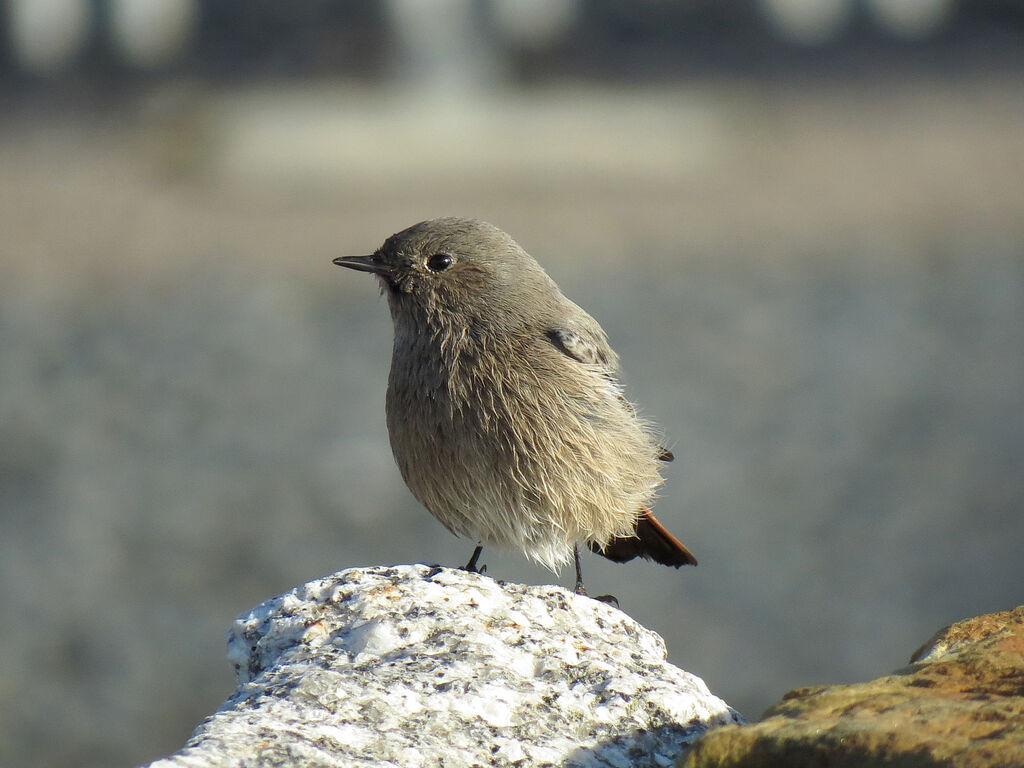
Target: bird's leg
[[579, 589], [471, 566]]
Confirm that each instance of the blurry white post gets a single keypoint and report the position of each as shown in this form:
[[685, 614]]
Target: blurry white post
[[47, 35], [442, 46], [149, 34], [533, 24], [807, 22], [911, 19]]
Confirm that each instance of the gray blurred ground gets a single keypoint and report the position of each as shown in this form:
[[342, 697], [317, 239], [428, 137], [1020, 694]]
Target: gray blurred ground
[[817, 291]]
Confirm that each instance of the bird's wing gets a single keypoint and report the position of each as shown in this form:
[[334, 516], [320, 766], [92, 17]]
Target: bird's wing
[[586, 343]]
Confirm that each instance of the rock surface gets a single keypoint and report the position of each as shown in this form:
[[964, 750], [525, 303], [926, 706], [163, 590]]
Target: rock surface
[[960, 703], [424, 666]]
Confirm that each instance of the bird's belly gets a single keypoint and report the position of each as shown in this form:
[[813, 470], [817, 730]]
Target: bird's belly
[[450, 469], [520, 469]]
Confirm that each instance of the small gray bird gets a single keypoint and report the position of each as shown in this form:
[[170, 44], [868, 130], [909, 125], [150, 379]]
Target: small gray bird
[[504, 411]]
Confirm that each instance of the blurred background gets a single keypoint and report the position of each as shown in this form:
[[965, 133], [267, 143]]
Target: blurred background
[[801, 223]]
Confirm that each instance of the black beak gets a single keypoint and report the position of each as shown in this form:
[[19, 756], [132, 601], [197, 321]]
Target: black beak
[[362, 264]]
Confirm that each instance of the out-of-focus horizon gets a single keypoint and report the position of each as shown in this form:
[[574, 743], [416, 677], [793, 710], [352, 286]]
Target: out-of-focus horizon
[[452, 43], [801, 223]]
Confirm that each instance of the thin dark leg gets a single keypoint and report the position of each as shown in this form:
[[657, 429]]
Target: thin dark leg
[[580, 589], [471, 565]]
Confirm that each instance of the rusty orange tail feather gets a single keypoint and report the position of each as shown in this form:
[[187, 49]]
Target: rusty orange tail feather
[[650, 541]]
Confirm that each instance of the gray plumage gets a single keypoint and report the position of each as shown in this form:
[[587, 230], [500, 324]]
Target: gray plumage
[[504, 411]]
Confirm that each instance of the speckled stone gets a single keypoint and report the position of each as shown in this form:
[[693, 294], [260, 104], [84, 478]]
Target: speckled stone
[[426, 666]]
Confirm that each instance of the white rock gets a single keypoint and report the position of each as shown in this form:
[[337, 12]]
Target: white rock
[[424, 666]]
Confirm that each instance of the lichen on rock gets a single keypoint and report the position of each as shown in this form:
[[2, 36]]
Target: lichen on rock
[[960, 704]]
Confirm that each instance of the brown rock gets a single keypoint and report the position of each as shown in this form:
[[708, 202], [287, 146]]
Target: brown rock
[[960, 703]]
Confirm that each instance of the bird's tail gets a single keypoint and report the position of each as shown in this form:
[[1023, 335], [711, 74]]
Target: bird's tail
[[650, 541]]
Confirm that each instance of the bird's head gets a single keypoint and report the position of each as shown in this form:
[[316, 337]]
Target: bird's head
[[461, 271]]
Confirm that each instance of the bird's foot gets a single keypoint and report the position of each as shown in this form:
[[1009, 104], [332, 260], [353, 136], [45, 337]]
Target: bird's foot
[[472, 566], [579, 589]]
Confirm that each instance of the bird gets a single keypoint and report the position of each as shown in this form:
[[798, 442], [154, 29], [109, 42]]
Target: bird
[[504, 409]]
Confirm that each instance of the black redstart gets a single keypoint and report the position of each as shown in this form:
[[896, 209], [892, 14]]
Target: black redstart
[[504, 411]]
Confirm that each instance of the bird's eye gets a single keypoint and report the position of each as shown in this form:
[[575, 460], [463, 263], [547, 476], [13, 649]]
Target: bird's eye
[[439, 262]]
